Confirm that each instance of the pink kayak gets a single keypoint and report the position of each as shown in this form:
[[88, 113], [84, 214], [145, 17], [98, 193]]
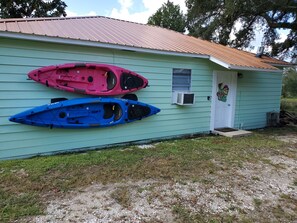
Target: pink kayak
[[89, 78]]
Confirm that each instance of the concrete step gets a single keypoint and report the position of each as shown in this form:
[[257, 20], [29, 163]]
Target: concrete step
[[232, 132]]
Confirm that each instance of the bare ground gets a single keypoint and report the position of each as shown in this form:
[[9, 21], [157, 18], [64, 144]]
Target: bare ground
[[265, 191]]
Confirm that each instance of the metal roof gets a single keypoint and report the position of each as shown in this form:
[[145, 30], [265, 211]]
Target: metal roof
[[119, 33]]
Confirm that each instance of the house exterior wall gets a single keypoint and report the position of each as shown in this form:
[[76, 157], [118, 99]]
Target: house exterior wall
[[18, 57], [257, 94]]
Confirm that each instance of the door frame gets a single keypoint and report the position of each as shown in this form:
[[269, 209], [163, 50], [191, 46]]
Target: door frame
[[214, 95]]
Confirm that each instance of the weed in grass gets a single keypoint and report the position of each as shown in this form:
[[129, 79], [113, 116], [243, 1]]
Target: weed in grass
[[257, 202], [13, 206], [278, 212], [256, 178], [286, 209], [122, 196], [183, 215], [154, 195]]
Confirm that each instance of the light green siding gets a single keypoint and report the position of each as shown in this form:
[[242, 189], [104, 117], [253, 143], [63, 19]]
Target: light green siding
[[18, 57], [257, 94]]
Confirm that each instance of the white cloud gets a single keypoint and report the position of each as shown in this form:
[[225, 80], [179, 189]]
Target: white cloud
[[151, 6], [126, 3], [71, 13], [154, 5], [92, 13], [74, 14]]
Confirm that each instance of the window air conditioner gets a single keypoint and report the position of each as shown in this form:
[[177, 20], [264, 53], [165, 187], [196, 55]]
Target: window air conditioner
[[185, 98]]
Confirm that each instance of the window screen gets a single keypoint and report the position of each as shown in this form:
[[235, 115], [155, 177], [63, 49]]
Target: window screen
[[181, 80]]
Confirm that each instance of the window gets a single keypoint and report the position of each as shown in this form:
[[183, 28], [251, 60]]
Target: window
[[181, 80]]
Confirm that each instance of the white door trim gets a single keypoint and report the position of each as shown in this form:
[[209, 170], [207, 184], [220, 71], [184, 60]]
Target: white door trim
[[214, 95]]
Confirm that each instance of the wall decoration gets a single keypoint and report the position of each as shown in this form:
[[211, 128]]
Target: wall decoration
[[222, 92]]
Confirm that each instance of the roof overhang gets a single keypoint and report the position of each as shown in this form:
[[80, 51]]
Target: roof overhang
[[234, 67], [282, 65], [127, 48]]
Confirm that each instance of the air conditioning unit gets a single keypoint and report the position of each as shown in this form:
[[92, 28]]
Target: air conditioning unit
[[272, 119], [184, 98]]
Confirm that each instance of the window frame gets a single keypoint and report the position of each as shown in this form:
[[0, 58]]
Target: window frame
[[182, 87]]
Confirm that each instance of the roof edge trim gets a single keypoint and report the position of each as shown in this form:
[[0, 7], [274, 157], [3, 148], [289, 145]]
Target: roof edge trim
[[219, 62], [281, 65], [98, 44], [233, 67]]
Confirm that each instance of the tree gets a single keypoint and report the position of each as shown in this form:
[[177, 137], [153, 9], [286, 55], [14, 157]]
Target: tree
[[290, 82], [169, 16], [32, 8], [218, 20]]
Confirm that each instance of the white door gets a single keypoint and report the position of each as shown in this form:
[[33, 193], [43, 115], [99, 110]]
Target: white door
[[223, 99]]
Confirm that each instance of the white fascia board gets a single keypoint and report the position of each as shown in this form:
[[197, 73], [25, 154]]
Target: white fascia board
[[97, 44], [282, 65], [233, 67], [219, 62], [255, 69]]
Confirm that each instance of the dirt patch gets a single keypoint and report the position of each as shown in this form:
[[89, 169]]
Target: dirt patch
[[269, 187], [290, 138]]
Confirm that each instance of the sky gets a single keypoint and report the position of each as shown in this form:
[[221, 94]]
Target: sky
[[130, 10]]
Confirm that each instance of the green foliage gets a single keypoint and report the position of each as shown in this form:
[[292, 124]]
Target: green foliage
[[31, 8], [290, 83], [215, 20], [169, 16], [289, 104]]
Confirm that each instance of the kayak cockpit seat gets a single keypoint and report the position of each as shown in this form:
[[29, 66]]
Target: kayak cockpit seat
[[129, 81], [111, 80], [112, 110], [138, 112]]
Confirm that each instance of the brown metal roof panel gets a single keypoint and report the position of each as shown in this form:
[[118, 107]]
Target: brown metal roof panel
[[104, 32], [122, 33], [52, 29], [270, 60], [71, 29], [36, 28], [13, 27], [25, 27], [91, 31], [3, 26], [87, 29], [235, 56], [107, 30]]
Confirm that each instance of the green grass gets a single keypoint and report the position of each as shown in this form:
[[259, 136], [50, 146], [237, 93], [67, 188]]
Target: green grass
[[289, 104], [27, 184], [184, 215]]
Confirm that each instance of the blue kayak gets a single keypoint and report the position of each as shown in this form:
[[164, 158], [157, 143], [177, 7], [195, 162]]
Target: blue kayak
[[85, 113]]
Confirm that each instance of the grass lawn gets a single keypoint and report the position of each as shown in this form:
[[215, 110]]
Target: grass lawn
[[289, 104], [27, 185]]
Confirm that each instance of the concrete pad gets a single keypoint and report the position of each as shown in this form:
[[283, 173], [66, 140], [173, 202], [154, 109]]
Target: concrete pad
[[237, 133]]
